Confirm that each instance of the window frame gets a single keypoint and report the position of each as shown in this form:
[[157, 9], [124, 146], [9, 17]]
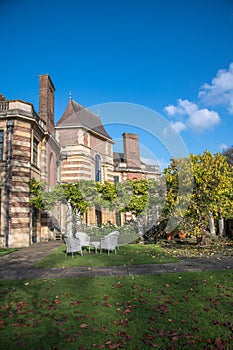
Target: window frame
[[98, 168], [35, 152], [1, 144]]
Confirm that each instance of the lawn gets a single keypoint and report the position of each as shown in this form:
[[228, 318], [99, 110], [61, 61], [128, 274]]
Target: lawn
[[5, 251], [129, 254], [170, 311], [136, 254]]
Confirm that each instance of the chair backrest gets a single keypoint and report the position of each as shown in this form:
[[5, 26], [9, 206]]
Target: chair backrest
[[83, 237], [66, 240], [109, 241], [114, 233], [72, 244]]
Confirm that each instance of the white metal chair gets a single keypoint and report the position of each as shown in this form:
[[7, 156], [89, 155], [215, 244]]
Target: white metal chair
[[72, 246], [84, 239], [109, 242]]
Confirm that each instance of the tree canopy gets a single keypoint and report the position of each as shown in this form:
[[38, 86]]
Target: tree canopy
[[211, 194]]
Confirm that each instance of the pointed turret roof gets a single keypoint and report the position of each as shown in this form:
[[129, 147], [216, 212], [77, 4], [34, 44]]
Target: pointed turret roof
[[76, 115]]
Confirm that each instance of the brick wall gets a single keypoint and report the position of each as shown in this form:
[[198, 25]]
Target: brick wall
[[19, 234], [131, 150], [46, 104]]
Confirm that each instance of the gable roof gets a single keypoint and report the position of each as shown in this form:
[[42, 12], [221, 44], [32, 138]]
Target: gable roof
[[76, 115], [2, 98]]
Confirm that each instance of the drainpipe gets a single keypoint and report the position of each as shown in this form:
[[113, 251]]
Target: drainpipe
[[10, 126]]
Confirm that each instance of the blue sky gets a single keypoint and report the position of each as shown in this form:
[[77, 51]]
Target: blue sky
[[172, 57]]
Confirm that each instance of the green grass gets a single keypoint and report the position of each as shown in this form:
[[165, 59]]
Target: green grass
[[130, 254], [170, 311], [4, 251]]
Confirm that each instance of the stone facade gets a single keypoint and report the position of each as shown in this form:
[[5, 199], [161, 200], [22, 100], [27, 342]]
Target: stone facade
[[29, 150], [77, 147]]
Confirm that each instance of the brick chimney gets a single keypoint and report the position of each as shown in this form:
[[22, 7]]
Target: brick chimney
[[46, 104], [131, 150]]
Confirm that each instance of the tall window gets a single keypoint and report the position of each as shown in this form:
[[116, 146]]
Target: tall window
[[35, 152], [0, 210], [97, 168], [1, 144]]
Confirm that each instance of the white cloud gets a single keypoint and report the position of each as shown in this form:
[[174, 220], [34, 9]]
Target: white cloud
[[196, 118], [187, 107], [220, 91], [178, 126], [183, 107], [203, 119], [171, 110]]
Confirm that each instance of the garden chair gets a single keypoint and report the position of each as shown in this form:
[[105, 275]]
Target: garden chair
[[109, 242], [84, 239], [72, 246], [115, 233]]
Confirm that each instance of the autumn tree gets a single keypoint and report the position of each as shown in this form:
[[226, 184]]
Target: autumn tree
[[205, 197], [212, 196]]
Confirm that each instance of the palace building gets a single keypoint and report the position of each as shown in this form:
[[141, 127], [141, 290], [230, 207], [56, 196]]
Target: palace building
[[77, 147]]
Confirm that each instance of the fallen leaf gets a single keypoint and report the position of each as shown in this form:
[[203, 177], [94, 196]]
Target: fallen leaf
[[219, 344], [127, 311], [84, 325], [107, 304]]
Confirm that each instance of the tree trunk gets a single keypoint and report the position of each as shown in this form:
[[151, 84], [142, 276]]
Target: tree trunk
[[212, 227], [69, 220], [221, 225], [78, 220], [140, 229]]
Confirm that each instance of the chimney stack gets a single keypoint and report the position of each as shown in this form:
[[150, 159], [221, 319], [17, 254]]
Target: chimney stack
[[46, 104], [131, 150]]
